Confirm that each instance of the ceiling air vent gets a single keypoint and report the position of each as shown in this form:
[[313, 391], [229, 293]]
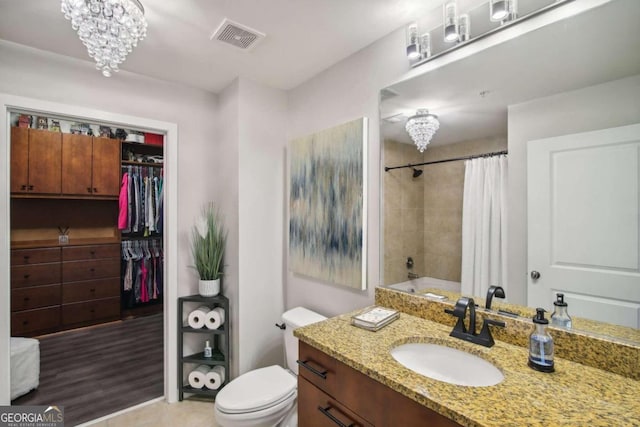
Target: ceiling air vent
[[237, 35]]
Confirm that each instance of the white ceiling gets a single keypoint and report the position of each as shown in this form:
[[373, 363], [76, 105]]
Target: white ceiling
[[596, 46], [304, 37]]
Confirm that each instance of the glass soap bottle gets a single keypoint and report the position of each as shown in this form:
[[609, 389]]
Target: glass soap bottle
[[541, 344], [560, 316]]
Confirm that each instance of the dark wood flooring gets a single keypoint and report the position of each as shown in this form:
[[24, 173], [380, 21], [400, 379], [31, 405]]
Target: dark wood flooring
[[96, 371]]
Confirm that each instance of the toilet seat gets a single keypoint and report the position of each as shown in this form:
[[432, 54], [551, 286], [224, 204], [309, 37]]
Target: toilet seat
[[258, 390]]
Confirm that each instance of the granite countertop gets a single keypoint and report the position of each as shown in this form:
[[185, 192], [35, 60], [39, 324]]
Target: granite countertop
[[575, 394]]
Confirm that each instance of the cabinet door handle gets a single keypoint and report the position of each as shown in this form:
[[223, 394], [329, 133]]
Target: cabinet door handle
[[24, 187], [328, 414], [31, 187], [304, 364], [95, 190], [88, 189]]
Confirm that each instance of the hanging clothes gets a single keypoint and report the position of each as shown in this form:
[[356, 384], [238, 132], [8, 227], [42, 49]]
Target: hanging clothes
[[140, 201], [142, 279]]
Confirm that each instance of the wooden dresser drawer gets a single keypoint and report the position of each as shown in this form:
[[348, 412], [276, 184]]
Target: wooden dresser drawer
[[74, 253], [317, 367], [90, 311], [318, 409], [90, 289], [73, 271], [33, 275], [30, 321], [34, 256], [35, 297]]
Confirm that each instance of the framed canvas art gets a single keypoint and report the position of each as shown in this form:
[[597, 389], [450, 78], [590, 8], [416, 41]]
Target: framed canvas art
[[327, 205]]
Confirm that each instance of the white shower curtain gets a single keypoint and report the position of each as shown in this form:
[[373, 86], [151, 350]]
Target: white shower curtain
[[484, 225]]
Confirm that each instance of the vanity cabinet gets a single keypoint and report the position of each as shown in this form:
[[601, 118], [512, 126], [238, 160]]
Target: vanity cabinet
[[35, 161], [331, 393], [90, 165]]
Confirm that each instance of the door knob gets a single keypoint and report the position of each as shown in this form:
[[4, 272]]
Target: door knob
[[535, 275]]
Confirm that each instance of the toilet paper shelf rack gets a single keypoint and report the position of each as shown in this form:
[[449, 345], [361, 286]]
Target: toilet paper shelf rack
[[197, 315]]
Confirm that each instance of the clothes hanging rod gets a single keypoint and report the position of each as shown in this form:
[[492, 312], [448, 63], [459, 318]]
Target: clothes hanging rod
[[411, 165]]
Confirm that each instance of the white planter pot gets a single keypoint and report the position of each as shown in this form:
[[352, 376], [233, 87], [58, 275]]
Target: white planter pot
[[209, 288]]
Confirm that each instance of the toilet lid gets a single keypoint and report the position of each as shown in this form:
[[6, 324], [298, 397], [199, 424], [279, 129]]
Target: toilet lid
[[256, 390]]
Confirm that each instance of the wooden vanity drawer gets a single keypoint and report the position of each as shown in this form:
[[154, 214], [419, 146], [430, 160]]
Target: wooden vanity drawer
[[34, 256], [74, 253], [317, 367], [90, 311], [35, 297], [316, 409], [38, 320], [73, 271], [90, 289], [33, 275]]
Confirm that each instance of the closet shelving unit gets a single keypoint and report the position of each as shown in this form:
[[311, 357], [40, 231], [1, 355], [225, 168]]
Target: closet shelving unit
[[220, 352], [140, 149]]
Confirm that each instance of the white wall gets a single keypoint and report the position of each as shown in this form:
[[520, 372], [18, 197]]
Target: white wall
[[35, 74], [346, 91], [225, 163], [607, 105], [250, 166], [262, 113]]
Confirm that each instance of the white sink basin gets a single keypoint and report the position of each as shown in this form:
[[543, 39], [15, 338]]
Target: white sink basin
[[447, 364]]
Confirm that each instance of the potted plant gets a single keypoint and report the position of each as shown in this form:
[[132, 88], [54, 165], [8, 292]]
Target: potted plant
[[208, 241]]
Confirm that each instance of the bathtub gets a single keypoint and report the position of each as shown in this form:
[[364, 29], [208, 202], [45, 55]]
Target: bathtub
[[422, 284]]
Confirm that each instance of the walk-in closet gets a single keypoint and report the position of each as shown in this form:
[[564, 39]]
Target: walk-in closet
[[87, 264]]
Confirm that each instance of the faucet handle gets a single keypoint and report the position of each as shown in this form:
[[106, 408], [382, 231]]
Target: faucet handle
[[485, 337]]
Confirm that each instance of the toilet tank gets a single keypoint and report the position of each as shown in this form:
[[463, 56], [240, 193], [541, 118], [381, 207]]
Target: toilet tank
[[295, 318]]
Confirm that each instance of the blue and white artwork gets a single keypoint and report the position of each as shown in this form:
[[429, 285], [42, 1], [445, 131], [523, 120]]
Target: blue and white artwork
[[327, 199]]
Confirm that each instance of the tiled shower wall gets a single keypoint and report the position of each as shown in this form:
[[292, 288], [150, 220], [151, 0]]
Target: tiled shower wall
[[423, 216]]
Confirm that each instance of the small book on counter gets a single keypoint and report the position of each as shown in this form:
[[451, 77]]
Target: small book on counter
[[374, 318]]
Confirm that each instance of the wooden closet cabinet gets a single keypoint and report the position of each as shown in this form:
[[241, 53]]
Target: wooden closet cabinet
[[35, 161], [90, 165], [35, 291], [336, 394]]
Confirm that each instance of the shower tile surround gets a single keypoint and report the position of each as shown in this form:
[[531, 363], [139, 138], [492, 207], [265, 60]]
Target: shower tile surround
[[596, 350], [423, 216]]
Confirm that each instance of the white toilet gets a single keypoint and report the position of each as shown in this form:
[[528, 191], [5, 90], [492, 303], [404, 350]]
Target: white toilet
[[267, 396]]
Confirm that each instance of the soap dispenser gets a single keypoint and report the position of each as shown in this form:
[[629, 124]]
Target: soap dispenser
[[541, 344], [560, 316]]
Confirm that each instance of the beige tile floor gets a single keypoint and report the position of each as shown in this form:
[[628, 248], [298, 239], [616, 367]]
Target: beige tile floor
[[188, 413]]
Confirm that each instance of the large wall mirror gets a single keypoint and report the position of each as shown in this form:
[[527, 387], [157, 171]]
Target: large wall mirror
[[564, 101]]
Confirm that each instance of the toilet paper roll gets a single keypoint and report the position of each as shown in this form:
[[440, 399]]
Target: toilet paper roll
[[214, 378], [198, 377], [197, 317], [214, 318]]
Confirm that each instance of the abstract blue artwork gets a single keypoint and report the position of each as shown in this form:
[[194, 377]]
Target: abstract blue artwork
[[327, 200]]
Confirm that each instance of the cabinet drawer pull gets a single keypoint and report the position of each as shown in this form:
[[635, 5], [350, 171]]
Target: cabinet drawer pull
[[304, 364], [26, 276], [328, 414], [92, 290], [26, 258], [26, 299], [25, 322]]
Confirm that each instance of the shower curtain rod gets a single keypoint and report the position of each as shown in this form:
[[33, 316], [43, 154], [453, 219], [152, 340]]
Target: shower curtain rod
[[410, 165]]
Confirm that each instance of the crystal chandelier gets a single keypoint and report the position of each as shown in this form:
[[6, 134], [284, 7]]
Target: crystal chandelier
[[110, 29], [421, 127]]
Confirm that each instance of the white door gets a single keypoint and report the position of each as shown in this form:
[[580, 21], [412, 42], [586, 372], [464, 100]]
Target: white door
[[584, 223]]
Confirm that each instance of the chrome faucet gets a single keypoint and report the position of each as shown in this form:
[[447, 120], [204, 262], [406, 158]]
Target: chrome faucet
[[484, 338], [496, 291]]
